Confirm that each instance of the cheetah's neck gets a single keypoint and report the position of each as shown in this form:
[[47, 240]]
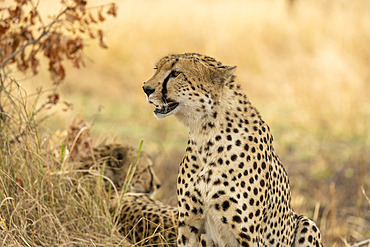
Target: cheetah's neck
[[232, 114]]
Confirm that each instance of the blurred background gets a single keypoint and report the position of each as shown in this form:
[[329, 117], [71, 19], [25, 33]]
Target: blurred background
[[304, 64]]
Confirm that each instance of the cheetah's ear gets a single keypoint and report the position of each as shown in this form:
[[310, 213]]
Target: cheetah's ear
[[120, 156], [223, 73]]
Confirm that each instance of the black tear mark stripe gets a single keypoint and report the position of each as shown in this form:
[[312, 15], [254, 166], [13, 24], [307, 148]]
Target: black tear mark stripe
[[164, 87]]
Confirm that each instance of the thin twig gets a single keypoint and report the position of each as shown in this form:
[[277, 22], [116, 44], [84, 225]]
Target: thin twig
[[362, 243], [37, 12], [2, 111], [23, 133]]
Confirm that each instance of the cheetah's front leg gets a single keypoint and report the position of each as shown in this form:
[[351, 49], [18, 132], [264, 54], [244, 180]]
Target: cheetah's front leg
[[307, 233], [189, 233]]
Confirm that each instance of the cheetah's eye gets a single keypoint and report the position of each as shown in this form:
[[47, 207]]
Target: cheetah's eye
[[175, 73]]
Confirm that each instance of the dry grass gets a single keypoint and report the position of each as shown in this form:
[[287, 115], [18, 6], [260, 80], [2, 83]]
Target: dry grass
[[40, 204], [305, 69]]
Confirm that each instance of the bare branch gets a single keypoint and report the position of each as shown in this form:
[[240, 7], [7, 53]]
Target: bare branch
[[45, 32], [22, 48]]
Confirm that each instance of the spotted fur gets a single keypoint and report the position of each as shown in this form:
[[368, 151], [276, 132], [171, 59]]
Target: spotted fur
[[114, 162], [142, 220], [147, 222], [232, 187]]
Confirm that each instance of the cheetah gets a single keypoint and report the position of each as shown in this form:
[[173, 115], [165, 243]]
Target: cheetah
[[142, 220], [232, 188], [147, 222], [114, 160]]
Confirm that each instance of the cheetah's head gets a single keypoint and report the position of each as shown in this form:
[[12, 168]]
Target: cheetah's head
[[115, 162], [186, 85]]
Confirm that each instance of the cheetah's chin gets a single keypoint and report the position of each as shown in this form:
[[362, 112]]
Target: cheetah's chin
[[165, 110]]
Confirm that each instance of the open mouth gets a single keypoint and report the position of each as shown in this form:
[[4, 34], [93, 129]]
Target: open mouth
[[166, 108]]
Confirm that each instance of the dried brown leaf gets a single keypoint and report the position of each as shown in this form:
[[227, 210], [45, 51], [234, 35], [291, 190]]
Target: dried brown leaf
[[112, 9], [100, 14], [33, 15], [53, 98], [22, 64], [57, 72], [19, 181], [74, 45], [3, 28], [7, 52], [22, 2], [26, 32], [81, 3], [78, 61], [72, 17], [102, 39], [86, 21], [92, 19], [68, 106], [16, 40], [91, 34], [15, 14], [33, 61]]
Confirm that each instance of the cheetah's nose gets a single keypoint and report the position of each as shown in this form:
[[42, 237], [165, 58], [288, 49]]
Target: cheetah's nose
[[148, 90], [158, 186]]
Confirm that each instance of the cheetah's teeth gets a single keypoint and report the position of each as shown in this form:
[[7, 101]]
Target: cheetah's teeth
[[166, 108]]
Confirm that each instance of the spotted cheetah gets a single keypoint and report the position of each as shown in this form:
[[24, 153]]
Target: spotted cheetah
[[231, 186], [142, 220], [147, 222], [114, 160]]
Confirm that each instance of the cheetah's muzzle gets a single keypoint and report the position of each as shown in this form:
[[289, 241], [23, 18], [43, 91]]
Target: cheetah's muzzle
[[164, 110]]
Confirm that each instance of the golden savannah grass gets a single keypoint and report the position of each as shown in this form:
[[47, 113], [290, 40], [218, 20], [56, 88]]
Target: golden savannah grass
[[305, 68]]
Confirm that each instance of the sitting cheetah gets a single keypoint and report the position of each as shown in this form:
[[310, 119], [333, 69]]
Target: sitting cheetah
[[116, 159], [147, 222], [232, 188]]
